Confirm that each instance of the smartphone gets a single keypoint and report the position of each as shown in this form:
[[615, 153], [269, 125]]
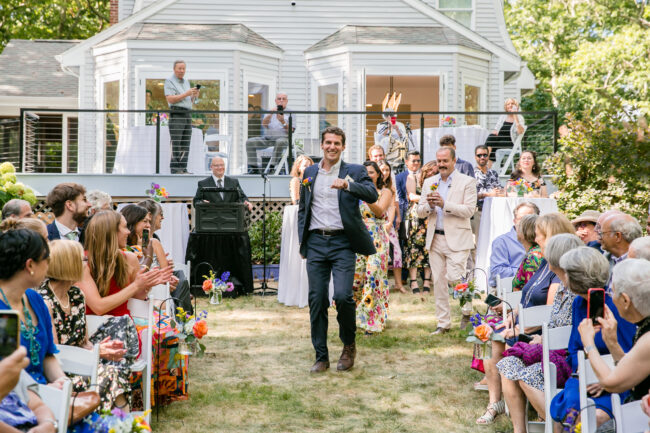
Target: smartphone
[[595, 304], [393, 120], [198, 87], [524, 338], [492, 300], [145, 238], [280, 108], [9, 332]]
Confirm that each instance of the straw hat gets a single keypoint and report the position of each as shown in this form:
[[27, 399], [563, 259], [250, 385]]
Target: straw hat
[[587, 216]]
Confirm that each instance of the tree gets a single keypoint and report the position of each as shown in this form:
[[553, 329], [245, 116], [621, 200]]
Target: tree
[[52, 19]]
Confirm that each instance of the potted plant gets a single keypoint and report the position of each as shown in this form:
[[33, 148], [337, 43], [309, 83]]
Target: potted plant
[[273, 242]]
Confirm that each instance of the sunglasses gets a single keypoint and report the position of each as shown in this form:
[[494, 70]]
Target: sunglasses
[[481, 155]]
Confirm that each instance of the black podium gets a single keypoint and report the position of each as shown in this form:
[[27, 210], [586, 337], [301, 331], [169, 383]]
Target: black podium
[[220, 242]]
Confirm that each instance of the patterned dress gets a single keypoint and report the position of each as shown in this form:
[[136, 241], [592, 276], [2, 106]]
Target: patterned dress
[[416, 254], [527, 268], [513, 368], [71, 331], [370, 288]]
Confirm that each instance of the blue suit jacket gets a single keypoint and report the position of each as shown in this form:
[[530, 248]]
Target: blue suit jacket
[[400, 185], [361, 189], [53, 232]]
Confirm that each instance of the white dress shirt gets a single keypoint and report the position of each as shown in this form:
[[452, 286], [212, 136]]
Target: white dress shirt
[[325, 213], [443, 189], [64, 230], [223, 183]]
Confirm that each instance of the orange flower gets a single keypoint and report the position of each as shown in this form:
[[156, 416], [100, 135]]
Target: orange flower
[[207, 285], [200, 329], [483, 332], [461, 287]]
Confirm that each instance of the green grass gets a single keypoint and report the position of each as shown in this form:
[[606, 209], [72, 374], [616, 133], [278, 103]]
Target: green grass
[[255, 375]]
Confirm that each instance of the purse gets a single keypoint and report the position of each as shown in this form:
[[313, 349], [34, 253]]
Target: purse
[[82, 404]]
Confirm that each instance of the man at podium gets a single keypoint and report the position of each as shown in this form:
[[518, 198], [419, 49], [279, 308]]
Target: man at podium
[[232, 190]]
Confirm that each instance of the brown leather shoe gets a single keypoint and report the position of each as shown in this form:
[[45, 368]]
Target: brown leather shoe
[[319, 367], [346, 361]]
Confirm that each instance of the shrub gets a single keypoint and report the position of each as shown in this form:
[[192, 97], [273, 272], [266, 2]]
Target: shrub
[[273, 238]]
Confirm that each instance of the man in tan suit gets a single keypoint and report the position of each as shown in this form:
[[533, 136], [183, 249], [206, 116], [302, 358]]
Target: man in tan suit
[[449, 206]]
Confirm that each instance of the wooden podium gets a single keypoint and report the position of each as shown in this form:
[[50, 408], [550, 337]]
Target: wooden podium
[[220, 218]]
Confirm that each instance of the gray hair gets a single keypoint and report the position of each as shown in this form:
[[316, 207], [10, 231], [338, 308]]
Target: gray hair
[[527, 228], [629, 228], [632, 276], [527, 204], [641, 247], [98, 199], [452, 152], [559, 244], [13, 207], [586, 268], [176, 62]]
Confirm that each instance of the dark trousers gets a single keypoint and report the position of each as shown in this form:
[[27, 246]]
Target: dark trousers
[[180, 131], [330, 255]]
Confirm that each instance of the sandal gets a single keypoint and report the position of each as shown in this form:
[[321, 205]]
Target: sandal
[[493, 411], [415, 289], [426, 289]]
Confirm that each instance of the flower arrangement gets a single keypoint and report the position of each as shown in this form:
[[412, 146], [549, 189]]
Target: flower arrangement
[[10, 188], [465, 291], [164, 119], [306, 182], [216, 286], [482, 334], [434, 187], [190, 329], [448, 121], [157, 192], [117, 421], [521, 186]]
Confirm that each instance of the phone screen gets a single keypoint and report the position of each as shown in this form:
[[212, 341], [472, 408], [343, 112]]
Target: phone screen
[[145, 238], [596, 304], [9, 333]]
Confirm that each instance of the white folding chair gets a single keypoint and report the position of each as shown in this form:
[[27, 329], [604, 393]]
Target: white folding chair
[[533, 316], [80, 361], [161, 293], [629, 417], [512, 298], [58, 400], [510, 162], [144, 310], [94, 322], [586, 377], [504, 285]]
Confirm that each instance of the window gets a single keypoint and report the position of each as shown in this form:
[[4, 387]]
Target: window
[[112, 121], [328, 100], [258, 99], [458, 10], [472, 103]]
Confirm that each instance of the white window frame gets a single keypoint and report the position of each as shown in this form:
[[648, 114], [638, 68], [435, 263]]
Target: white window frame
[[481, 83], [471, 9], [100, 164], [316, 82], [251, 77]]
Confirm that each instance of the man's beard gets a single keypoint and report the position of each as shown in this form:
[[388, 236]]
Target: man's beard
[[79, 217]]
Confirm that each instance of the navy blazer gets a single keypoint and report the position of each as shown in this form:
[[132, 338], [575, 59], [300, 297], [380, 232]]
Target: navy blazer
[[400, 185], [53, 232], [361, 189]]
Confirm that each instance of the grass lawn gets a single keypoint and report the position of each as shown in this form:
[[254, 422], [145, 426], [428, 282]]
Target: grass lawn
[[255, 375]]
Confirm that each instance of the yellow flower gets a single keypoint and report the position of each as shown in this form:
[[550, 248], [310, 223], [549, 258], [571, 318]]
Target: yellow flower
[[367, 301]]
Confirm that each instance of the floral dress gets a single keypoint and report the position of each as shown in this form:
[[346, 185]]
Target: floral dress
[[370, 288], [71, 331], [416, 254], [527, 268]]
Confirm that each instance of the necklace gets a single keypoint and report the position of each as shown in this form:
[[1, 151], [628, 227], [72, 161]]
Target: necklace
[[63, 307], [28, 330]]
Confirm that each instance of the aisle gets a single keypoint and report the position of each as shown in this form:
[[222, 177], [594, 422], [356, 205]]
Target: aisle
[[255, 377]]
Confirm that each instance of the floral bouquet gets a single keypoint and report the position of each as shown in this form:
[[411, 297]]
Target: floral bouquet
[[157, 192], [216, 286], [190, 329], [482, 334], [448, 121], [10, 188], [164, 119], [434, 187], [465, 292], [117, 421], [521, 186]]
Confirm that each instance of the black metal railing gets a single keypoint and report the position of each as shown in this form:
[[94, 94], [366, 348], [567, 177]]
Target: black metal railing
[[148, 141]]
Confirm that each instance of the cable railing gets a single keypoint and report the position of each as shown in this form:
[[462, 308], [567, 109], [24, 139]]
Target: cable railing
[[144, 142]]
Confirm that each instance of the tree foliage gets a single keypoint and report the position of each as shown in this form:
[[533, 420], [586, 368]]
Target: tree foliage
[[52, 19]]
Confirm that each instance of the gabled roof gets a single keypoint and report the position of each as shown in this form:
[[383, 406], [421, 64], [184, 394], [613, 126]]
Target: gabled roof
[[382, 35], [29, 68], [191, 32]]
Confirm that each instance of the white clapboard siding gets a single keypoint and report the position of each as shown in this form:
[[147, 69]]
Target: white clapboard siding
[[125, 8]]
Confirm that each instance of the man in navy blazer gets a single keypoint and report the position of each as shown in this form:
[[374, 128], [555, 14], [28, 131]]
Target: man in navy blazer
[[332, 233], [70, 208]]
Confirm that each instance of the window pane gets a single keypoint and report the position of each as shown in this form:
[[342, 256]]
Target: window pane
[[155, 98], [111, 102], [258, 99], [464, 18], [328, 100], [455, 4], [73, 144], [472, 103]]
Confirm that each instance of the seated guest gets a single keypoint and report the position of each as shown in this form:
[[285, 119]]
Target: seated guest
[[533, 294], [507, 251], [568, 400], [220, 180], [519, 380], [138, 219], [299, 166], [487, 183], [67, 308], [533, 258], [111, 275], [70, 208], [17, 208], [528, 170], [34, 224], [463, 166], [11, 366], [616, 232], [99, 200], [585, 226], [639, 248], [631, 295], [276, 127]]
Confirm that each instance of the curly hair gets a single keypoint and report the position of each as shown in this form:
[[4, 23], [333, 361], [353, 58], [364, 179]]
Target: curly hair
[[18, 246]]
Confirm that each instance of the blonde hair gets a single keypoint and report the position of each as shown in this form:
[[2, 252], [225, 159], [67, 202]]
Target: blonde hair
[[509, 100], [66, 260], [426, 168], [33, 224], [375, 147], [105, 260], [296, 165], [554, 223]]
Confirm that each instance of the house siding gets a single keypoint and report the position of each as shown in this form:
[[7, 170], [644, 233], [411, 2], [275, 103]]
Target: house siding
[[125, 9], [486, 21]]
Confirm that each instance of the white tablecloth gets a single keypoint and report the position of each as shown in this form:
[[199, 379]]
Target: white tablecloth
[[136, 151], [496, 220], [174, 231], [467, 138]]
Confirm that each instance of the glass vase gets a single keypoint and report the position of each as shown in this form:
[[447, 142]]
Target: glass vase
[[521, 192], [215, 298], [185, 348], [483, 351], [466, 309]]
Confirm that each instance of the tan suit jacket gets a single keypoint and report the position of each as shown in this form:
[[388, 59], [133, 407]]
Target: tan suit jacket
[[458, 209]]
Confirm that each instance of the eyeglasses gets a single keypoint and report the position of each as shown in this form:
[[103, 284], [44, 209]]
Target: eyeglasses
[[600, 234], [583, 225], [481, 155]]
